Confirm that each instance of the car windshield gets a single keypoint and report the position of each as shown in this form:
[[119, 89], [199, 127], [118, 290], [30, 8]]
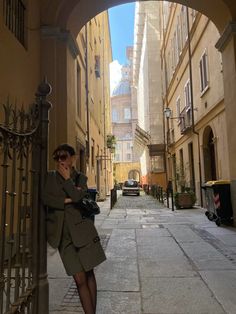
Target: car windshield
[[131, 183]]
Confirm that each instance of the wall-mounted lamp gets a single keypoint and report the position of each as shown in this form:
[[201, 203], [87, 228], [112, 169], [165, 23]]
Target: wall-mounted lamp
[[168, 112]]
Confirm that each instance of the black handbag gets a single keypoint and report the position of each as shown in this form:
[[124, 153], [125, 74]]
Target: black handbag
[[88, 207]]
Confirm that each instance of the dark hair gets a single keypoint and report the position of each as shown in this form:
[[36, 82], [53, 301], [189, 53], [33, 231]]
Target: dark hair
[[66, 148]]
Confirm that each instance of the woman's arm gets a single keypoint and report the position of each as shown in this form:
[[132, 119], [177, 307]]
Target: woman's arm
[[50, 199], [76, 194]]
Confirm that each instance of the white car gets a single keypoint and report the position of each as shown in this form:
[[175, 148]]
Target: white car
[[130, 187]]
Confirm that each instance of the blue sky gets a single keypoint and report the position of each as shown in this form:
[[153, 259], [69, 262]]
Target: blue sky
[[121, 20]]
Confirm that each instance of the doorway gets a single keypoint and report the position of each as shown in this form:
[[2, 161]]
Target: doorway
[[209, 154]]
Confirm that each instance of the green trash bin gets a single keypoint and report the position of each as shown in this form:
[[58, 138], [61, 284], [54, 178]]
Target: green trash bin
[[218, 201]]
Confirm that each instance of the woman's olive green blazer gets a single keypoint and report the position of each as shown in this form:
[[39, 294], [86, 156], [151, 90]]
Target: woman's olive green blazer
[[82, 230]]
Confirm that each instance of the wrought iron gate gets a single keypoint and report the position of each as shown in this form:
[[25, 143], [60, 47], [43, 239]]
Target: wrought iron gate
[[23, 155]]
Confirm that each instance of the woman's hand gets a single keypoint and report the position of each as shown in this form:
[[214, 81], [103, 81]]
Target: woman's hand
[[64, 171], [68, 201]]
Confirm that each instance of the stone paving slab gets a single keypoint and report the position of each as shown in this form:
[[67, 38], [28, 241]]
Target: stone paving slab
[[166, 267], [118, 275], [119, 302], [178, 296], [147, 234], [201, 250], [223, 285], [159, 262], [184, 234], [228, 239], [164, 247], [57, 290], [121, 248]]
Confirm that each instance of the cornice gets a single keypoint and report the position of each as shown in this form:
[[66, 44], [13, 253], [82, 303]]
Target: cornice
[[61, 35], [229, 31]]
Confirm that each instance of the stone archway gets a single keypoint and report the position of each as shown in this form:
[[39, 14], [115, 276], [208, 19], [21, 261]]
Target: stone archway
[[209, 154], [134, 174], [62, 20], [76, 13]]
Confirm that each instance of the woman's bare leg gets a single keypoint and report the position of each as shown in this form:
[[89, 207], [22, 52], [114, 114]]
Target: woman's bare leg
[[84, 292], [92, 285]]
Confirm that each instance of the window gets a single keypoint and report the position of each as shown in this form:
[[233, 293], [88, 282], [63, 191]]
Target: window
[[178, 108], [128, 156], [127, 136], [184, 23], [117, 157], [157, 164], [204, 82], [187, 94], [97, 66], [179, 36], [118, 146], [127, 113], [128, 145], [14, 18], [78, 91], [115, 115]]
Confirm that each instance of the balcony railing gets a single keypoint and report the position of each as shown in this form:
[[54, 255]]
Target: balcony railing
[[185, 120]]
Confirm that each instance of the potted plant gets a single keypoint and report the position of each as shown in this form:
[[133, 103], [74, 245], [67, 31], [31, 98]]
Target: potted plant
[[184, 197], [111, 142]]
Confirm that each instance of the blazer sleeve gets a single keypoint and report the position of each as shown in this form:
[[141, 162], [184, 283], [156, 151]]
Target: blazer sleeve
[[75, 194], [48, 196]]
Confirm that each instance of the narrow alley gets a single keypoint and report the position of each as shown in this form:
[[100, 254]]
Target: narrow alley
[[158, 261]]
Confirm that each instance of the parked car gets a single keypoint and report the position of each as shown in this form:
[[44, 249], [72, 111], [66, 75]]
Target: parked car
[[130, 187]]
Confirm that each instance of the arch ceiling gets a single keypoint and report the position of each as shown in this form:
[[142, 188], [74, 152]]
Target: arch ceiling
[[74, 14]]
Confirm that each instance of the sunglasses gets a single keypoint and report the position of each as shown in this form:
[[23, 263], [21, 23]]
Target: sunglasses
[[61, 157]]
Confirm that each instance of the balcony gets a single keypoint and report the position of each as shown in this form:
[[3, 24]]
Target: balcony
[[185, 120]]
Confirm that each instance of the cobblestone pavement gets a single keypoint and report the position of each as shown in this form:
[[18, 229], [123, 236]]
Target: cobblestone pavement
[[158, 261]]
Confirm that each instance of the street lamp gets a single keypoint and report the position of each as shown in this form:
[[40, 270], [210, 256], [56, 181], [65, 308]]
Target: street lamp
[[167, 112]]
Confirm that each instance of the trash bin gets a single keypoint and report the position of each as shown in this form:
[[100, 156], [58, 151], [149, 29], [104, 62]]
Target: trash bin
[[218, 201], [93, 193]]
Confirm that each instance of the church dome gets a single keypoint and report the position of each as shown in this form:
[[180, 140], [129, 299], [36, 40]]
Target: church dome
[[123, 88]]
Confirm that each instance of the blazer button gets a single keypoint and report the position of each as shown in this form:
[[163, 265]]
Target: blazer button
[[96, 239]]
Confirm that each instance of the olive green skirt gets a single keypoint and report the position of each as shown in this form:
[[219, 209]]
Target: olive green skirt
[[69, 253], [82, 259]]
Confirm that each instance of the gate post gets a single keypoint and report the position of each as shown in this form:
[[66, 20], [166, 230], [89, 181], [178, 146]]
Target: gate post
[[42, 303]]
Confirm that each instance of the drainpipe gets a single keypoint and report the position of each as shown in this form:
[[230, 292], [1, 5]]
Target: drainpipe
[[104, 106], [192, 106], [87, 92], [165, 100]]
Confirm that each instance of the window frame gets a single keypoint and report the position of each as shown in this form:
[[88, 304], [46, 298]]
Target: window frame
[[187, 96], [204, 72]]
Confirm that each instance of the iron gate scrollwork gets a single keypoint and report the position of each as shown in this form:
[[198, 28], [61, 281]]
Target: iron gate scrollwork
[[23, 155]]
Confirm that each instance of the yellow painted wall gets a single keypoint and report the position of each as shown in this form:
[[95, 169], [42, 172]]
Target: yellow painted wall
[[121, 170], [20, 66], [209, 109]]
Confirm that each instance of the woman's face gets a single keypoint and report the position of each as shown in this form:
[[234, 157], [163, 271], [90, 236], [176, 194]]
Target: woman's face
[[64, 159]]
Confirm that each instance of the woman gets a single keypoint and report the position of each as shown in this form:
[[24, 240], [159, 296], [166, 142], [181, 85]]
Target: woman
[[75, 236]]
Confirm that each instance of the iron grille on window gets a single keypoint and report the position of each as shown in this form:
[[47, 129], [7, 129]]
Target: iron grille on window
[[14, 18]]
